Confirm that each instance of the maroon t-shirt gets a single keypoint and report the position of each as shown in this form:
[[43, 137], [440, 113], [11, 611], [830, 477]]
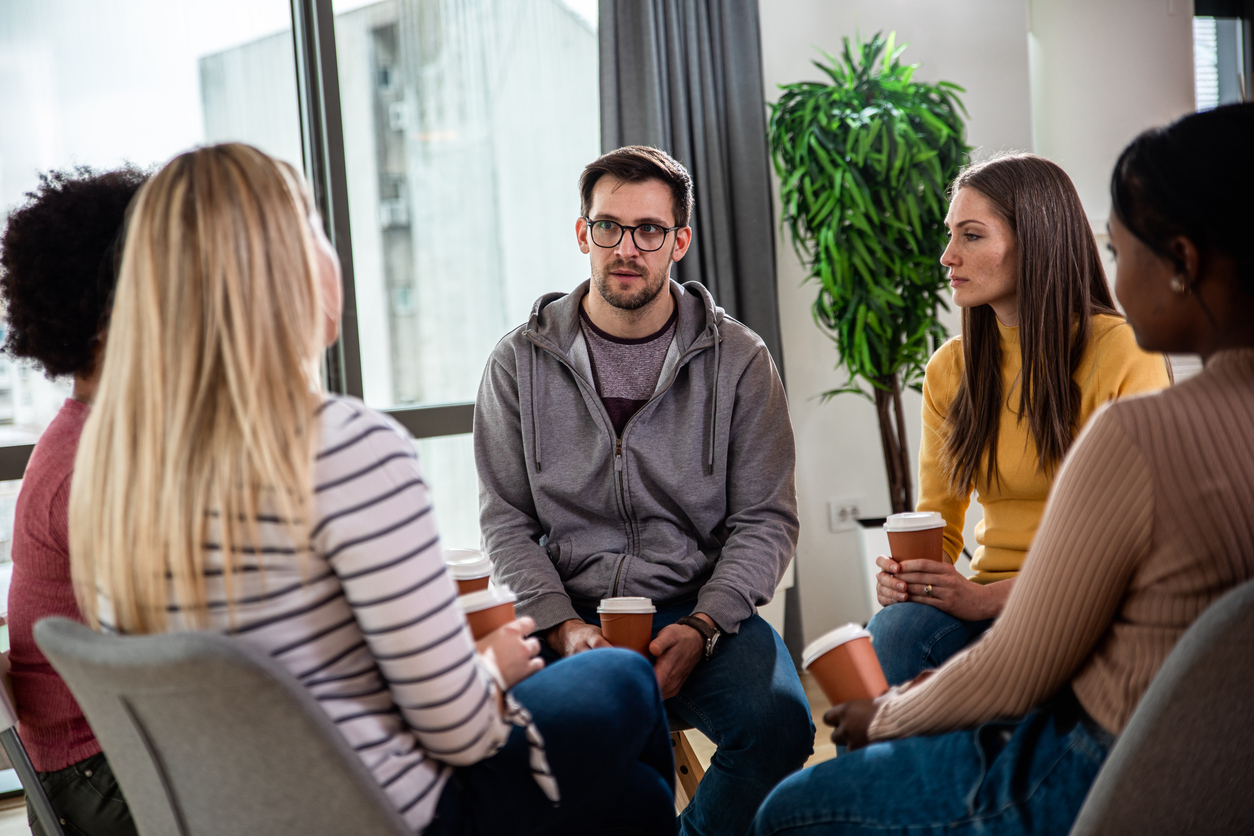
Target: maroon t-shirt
[[626, 370], [49, 720]]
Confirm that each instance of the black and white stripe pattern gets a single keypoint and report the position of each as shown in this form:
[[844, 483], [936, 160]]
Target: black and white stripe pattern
[[368, 619]]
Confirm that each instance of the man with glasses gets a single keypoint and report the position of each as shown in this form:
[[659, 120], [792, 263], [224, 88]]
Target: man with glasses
[[633, 440]]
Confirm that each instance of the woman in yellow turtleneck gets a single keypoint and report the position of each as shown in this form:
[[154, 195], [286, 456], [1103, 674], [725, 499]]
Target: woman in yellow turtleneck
[[1042, 347]]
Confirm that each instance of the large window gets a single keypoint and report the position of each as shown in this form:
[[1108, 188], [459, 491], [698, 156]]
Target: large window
[[105, 83], [1223, 53], [443, 139], [466, 124]]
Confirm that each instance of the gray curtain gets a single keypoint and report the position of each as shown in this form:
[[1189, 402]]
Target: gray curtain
[[686, 76]]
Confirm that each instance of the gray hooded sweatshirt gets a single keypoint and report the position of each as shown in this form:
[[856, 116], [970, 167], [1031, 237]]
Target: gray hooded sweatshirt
[[695, 502]]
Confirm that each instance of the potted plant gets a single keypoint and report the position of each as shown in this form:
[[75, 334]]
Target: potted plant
[[864, 163]]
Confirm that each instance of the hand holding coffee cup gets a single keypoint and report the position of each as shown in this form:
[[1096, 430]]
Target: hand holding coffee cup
[[509, 649], [488, 609], [575, 636], [627, 622], [911, 536], [941, 585], [850, 722]]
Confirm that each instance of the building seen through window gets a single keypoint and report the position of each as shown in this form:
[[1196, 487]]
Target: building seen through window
[[466, 124]]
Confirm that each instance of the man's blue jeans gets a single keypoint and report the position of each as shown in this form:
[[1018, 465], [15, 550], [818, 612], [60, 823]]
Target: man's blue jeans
[[749, 701], [605, 735], [1005, 778], [910, 638]]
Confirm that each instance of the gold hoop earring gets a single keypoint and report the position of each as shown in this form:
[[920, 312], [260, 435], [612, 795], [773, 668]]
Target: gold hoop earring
[[1178, 285]]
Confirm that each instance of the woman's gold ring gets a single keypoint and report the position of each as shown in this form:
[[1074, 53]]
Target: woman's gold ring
[[927, 590]]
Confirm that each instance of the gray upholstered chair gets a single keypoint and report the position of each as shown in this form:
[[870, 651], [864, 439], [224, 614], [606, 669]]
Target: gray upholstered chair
[[20, 761], [206, 735], [1185, 762]]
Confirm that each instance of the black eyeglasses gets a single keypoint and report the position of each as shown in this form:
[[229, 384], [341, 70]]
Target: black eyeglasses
[[647, 237]]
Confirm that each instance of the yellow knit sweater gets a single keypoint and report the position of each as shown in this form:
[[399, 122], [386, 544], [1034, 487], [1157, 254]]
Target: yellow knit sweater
[[1113, 366]]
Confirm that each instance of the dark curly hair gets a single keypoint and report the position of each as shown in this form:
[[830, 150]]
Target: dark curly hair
[[58, 265]]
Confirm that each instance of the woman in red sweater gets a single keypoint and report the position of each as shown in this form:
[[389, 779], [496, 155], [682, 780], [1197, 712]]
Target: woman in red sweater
[[57, 271]]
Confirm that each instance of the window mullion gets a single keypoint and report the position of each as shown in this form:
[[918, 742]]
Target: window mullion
[[322, 134]]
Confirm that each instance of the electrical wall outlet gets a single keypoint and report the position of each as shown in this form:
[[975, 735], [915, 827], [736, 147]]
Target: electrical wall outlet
[[843, 513]]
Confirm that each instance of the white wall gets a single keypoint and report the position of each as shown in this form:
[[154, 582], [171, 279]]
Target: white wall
[[1105, 70], [1102, 72]]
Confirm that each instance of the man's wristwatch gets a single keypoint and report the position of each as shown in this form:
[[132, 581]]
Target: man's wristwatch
[[711, 634]]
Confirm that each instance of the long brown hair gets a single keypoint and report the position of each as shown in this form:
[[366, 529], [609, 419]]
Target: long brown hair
[[1061, 286]]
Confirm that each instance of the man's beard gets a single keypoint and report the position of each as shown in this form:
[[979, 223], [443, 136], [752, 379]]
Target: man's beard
[[608, 286]]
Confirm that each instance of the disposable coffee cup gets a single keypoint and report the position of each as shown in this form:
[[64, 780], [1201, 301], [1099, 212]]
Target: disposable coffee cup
[[845, 665], [627, 622], [488, 609], [471, 569], [918, 535]]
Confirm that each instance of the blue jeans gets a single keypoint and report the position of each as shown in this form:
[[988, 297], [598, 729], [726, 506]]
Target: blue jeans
[[1005, 778], [749, 701], [605, 734], [910, 638]]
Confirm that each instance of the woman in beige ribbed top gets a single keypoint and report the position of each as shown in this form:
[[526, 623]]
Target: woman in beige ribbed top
[[1148, 523]]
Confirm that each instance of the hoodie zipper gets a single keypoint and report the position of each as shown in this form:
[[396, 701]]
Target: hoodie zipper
[[622, 493], [628, 522]]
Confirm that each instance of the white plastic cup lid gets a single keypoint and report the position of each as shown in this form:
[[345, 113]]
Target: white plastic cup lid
[[467, 564], [832, 640], [485, 599], [626, 605], [915, 521]]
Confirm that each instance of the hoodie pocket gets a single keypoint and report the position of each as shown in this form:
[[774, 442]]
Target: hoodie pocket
[[665, 544], [560, 553]]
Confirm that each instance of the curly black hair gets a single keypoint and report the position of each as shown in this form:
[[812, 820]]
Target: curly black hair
[[58, 265]]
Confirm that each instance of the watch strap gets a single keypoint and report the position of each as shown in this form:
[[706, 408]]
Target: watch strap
[[700, 626], [707, 631]]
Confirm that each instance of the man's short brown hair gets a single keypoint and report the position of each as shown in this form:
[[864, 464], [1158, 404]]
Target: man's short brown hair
[[635, 164]]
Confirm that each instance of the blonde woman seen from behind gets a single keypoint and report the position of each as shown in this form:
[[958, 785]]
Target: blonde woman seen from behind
[[1042, 347], [217, 488]]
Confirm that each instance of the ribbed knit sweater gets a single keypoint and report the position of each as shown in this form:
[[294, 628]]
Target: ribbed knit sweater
[[50, 722], [1148, 522]]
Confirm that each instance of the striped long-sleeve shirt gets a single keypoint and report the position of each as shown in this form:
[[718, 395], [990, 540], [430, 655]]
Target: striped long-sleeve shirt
[[368, 620]]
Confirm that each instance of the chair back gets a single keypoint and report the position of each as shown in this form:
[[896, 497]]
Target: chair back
[[207, 735], [1186, 759]]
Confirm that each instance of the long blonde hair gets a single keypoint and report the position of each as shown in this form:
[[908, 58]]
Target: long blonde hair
[[208, 390]]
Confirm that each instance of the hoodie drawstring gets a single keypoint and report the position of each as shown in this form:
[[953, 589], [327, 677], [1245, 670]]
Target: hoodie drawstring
[[535, 424], [718, 338]]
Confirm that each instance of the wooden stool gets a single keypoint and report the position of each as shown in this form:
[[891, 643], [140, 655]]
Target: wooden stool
[[688, 771]]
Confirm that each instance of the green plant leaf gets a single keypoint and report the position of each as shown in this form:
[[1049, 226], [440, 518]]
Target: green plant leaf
[[864, 163]]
